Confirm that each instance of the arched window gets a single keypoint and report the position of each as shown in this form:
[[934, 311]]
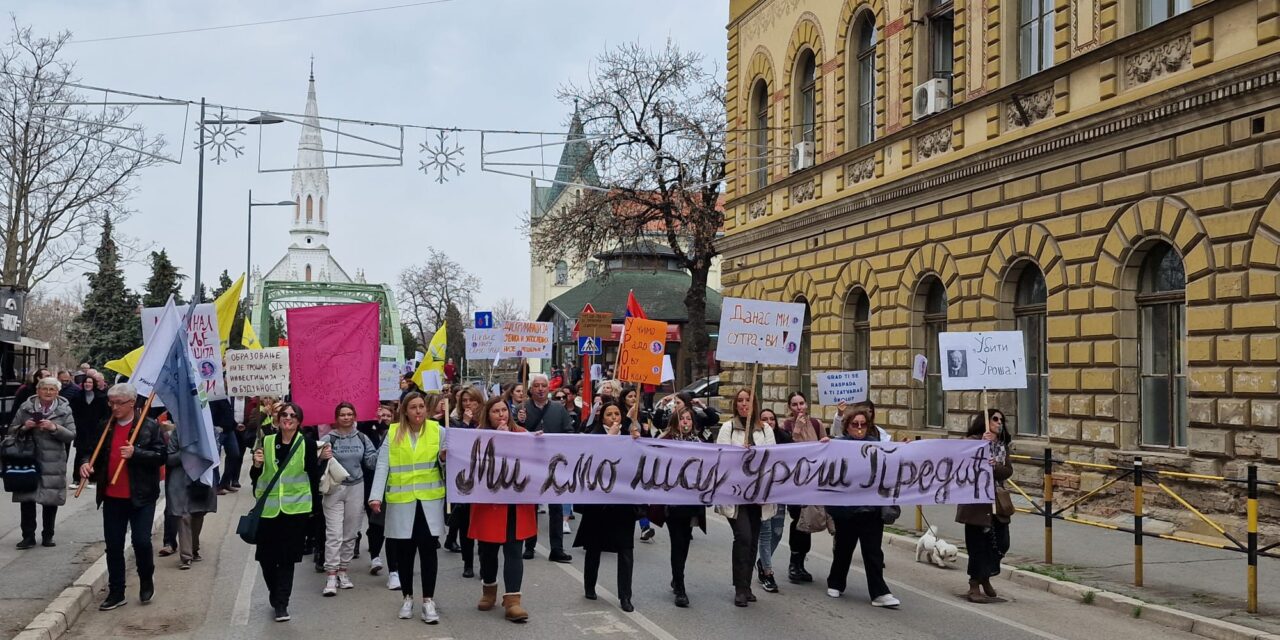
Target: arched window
[[310, 214], [593, 269], [864, 79], [297, 208], [855, 352], [308, 273], [801, 376], [806, 105], [759, 135], [932, 300], [321, 208], [1029, 300], [1162, 332], [562, 273]]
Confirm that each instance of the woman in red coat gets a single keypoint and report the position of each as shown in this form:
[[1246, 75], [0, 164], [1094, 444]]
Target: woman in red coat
[[502, 527]]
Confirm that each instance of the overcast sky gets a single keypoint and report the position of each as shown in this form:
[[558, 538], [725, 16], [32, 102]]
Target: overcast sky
[[486, 64]]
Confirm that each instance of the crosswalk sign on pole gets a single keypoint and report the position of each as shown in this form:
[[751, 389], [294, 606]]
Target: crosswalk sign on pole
[[589, 346]]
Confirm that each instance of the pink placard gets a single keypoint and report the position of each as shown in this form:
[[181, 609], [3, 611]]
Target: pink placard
[[333, 357]]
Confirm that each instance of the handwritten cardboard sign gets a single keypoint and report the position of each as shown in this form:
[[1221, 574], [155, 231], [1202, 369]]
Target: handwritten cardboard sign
[[205, 343], [595, 325], [388, 380], [258, 372], [483, 344], [525, 339], [982, 360], [643, 344], [760, 331], [835, 387]]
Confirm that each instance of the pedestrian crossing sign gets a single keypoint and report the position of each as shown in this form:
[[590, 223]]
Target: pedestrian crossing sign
[[589, 346]]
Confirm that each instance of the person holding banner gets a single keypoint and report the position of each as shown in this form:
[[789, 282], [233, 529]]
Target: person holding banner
[[638, 418], [501, 527], [290, 509], [539, 413], [803, 428], [706, 419], [467, 414], [680, 519], [609, 528], [859, 525], [344, 504], [409, 478], [745, 430], [986, 534], [771, 529]]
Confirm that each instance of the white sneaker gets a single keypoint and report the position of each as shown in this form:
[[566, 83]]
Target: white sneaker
[[833, 593], [406, 609], [375, 566], [429, 613], [542, 508], [393, 581], [73, 486], [344, 581], [330, 586], [566, 528], [886, 600]]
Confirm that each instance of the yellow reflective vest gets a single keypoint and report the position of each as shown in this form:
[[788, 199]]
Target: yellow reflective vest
[[292, 493], [415, 470]]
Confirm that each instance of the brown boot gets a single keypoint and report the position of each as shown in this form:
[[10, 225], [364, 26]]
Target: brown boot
[[515, 612], [987, 588], [975, 594], [488, 596]]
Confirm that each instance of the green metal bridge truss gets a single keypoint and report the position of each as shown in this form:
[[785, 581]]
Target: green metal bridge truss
[[273, 297]]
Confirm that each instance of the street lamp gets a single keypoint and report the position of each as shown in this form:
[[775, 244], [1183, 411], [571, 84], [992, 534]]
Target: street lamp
[[258, 120], [248, 242]]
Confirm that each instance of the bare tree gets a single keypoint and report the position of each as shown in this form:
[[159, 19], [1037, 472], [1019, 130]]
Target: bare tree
[[49, 318], [506, 309], [425, 292], [62, 167], [655, 124]]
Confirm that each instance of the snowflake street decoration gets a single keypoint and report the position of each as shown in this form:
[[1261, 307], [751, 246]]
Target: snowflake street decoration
[[220, 137], [441, 157]]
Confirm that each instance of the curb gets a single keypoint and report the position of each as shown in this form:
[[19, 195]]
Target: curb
[[64, 610], [1159, 614]]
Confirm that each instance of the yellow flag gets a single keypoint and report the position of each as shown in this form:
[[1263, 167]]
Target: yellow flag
[[125, 364], [249, 337], [434, 358], [225, 306]]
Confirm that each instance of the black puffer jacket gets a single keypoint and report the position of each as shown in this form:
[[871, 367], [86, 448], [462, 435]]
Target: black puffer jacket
[[149, 455]]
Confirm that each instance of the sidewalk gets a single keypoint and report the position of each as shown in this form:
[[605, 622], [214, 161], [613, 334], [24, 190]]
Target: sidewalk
[[1201, 580]]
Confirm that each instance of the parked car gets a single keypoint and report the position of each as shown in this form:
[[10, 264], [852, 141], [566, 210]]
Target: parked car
[[705, 388]]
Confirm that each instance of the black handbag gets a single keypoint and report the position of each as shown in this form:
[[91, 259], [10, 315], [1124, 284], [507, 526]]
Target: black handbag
[[247, 528], [19, 463]]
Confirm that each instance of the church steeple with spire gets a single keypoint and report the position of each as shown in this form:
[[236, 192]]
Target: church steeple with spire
[[310, 178]]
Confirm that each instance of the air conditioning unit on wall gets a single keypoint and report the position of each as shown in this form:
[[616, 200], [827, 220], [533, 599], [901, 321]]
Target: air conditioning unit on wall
[[931, 97], [801, 156]]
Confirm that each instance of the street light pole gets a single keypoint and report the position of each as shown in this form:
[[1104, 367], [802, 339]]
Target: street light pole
[[195, 297], [248, 248]]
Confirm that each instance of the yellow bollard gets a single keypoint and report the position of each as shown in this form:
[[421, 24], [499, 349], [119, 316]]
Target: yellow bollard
[[1048, 505], [1253, 539], [1137, 521]]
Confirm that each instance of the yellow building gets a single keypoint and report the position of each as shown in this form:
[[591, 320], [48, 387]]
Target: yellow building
[[1098, 173]]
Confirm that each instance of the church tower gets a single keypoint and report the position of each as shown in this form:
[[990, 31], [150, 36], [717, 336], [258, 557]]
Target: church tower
[[310, 228]]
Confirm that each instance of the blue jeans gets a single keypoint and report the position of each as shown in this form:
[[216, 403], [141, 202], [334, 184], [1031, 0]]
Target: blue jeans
[[771, 531]]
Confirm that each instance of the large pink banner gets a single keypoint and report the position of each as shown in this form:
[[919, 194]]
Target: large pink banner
[[333, 357]]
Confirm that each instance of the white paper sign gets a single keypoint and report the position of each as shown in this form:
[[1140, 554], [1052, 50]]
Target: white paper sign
[[920, 367], [483, 344], [258, 372], [389, 352], [982, 360], [842, 386], [205, 342], [388, 380], [524, 339], [431, 380], [668, 371], [760, 331]]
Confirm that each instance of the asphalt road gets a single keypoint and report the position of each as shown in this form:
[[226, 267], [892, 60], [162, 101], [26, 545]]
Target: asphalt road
[[223, 598]]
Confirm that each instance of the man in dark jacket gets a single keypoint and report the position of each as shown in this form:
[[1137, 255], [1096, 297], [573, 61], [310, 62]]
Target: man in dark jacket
[[129, 502], [539, 413]]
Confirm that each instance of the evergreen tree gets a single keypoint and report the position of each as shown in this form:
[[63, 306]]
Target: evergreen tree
[[108, 325], [410, 340], [456, 346], [165, 280], [224, 283]]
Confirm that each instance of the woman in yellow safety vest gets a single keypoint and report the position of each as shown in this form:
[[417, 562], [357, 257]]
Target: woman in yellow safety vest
[[290, 506], [409, 481]]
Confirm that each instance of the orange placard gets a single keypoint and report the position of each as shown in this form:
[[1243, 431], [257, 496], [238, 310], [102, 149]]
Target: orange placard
[[643, 345]]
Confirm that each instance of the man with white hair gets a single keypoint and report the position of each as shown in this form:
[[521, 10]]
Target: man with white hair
[[127, 498], [540, 414]]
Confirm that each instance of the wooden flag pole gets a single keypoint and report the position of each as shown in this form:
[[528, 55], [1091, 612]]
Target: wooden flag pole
[[751, 403], [133, 434]]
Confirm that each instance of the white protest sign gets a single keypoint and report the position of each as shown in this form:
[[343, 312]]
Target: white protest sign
[[483, 344], [982, 360], [258, 372], [835, 387], [668, 371], [760, 331], [920, 367], [388, 380], [205, 343], [524, 339], [389, 352], [431, 380]]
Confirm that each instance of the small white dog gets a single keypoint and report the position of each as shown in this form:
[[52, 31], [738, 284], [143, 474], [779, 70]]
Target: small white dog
[[932, 548]]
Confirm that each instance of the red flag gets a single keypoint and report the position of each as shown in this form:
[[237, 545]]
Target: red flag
[[633, 307]]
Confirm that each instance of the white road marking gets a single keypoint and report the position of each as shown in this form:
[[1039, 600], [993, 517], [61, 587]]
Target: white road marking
[[248, 579], [639, 618]]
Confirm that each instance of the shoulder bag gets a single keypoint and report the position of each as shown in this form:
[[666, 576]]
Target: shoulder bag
[[19, 463], [247, 528]]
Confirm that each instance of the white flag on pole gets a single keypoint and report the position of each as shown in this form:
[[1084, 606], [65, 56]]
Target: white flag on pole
[[159, 339]]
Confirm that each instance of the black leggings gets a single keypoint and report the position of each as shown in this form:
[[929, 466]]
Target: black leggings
[[626, 562], [681, 530], [423, 544], [512, 564], [459, 525], [801, 542], [279, 578]]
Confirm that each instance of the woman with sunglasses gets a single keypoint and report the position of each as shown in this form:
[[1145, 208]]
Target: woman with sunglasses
[[293, 502], [408, 478], [986, 534], [859, 525]]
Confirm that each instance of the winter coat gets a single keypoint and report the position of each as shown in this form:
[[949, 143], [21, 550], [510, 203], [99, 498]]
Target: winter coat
[[848, 512], [149, 456], [980, 514], [731, 434], [489, 521], [181, 498], [51, 449], [89, 416]]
